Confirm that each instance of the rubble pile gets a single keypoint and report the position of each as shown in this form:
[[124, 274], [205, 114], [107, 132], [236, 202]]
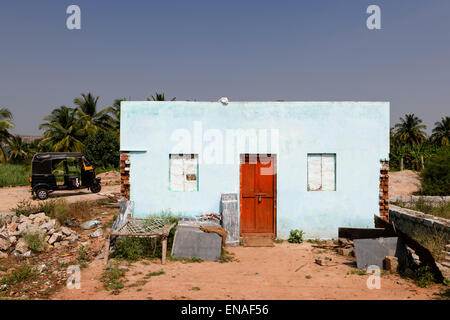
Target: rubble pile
[[15, 228]]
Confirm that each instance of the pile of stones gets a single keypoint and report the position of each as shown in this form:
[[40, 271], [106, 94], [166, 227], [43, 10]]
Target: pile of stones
[[13, 230]]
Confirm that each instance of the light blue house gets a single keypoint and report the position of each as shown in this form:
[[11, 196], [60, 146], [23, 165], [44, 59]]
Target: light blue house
[[313, 166]]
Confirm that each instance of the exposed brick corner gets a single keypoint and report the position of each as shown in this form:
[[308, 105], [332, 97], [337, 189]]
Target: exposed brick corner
[[384, 190], [124, 176]]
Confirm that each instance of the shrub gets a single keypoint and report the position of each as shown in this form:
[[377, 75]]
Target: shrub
[[423, 277], [111, 279], [436, 175], [24, 272], [296, 236], [102, 149], [35, 241]]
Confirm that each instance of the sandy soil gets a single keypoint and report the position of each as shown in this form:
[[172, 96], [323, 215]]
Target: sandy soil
[[404, 183], [286, 271], [10, 197]]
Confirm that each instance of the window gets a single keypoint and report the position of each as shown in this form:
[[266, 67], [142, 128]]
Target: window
[[321, 172], [183, 172]]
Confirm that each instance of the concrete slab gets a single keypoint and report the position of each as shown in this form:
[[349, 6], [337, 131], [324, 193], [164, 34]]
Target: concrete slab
[[230, 217], [373, 251], [190, 242]]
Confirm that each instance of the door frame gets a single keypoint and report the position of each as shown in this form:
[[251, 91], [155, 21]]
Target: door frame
[[275, 192]]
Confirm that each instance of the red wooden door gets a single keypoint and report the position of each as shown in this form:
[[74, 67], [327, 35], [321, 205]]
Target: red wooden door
[[258, 195]]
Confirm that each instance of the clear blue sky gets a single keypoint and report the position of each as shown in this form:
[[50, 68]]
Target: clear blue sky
[[244, 50]]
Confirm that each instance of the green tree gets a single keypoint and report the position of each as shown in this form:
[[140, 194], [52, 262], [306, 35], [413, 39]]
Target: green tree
[[436, 175], [5, 124], [114, 122], [410, 130], [18, 149], [86, 108], [441, 132], [64, 131], [159, 97], [102, 149]]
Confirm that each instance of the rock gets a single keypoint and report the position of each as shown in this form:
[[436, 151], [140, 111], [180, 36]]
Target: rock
[[3, 287], [21, 246], [65, 243], [13, 227], [3, 255], [23, 218], [87, 225], [345, 251], [14, 219], [4, 244], [66, 231], [12, 239], [51, 231], [85, 243], [345, 242], [96, 233], [23, 255], [49, 225], [72, 238], [54, 238], [43, 268], [391, 263], [325, 261]]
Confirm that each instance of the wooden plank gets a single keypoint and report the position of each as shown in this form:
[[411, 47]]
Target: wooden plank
[[164, 251]]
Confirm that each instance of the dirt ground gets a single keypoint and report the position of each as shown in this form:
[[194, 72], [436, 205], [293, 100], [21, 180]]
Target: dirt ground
[[286, 271], [404, 183], [12, 196]]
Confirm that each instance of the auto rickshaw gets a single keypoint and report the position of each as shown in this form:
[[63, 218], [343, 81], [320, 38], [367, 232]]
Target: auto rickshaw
[[53, 171]]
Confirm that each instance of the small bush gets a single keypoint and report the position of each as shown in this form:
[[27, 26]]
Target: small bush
[[35, 241], [153, 274], [102, 149], [14, 175], [296, 236], [423, 277]]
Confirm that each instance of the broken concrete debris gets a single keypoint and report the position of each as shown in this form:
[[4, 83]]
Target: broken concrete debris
[[324, 261], [391, 263], [12, 234]]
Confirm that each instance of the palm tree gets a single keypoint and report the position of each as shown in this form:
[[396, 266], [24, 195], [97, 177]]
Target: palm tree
[[5, 125], [410, 131], [159, 97], [18, 149], [64, 130], [87, 111], [441, 133], [114, 121]]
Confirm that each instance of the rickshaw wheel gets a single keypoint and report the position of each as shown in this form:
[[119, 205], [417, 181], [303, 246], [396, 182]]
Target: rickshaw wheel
[[96, 187], [42, 194]]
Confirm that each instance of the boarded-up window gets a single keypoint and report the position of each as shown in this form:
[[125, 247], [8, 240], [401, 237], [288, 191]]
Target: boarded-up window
[[183, 172], [321, 172]]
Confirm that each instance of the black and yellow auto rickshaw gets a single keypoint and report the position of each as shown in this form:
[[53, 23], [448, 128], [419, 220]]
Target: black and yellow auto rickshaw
[[52, 171]]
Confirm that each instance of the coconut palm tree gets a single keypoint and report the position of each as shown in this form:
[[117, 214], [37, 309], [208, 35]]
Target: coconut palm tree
[[5, 124], [159, 97], [441, 132], [87, 111], [18, 149], [64, 131], [410, 130], [114, 122]]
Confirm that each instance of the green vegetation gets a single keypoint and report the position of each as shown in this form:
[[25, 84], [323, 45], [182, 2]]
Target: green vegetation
[[296, 236], [24, 272], [102, 149], [423, 277], [35, 241], [58, 209], [112, 279], [153, 274], [14, 175], [410, 148], [436, 175], [359, 272]]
